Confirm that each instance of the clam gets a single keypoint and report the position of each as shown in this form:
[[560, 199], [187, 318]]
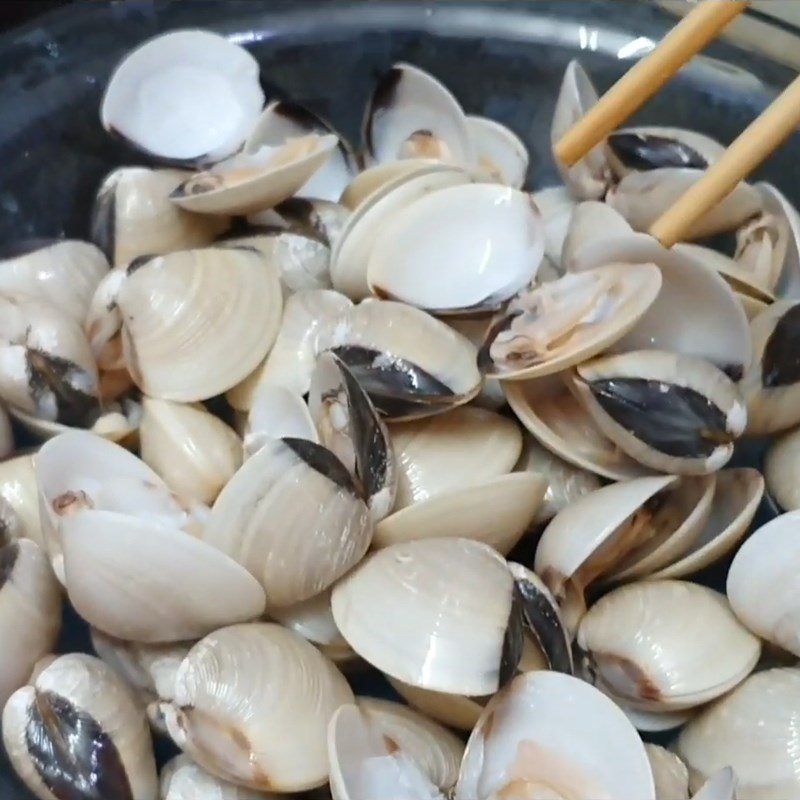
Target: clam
[[765, 765], [780, 470], [185, 96], [501, 153], [771, 382], [670, 774], [491, 395], [372, 178], [453, 710], [46, 365], [76, 730], [645, 148], [556, 205], [252, 705], [550, 412], [217, 307], [30, 612], [722, 785], [6, 434], [464, 248], [666, 645], [324, 219], [761, 245], [349, 426], [293, 517], [539, 738], [591, 222], [670, 412], [62, 272], [760, 581], [133, 216], [412, 115], [182, 779], [277, 412], [655, 721], [565, 482], [351, 255], [194, 452], [19, 492], [561, 323], [776, 204], [642, 197], [590, 177], [283, 121]]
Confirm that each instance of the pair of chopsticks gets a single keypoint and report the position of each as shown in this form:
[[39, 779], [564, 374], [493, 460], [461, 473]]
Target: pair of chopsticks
[[646, 77]]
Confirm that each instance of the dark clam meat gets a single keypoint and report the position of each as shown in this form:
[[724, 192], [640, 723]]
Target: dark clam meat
[[645, 151], [780, 364]]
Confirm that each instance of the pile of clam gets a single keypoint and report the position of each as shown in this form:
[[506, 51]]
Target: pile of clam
[[309, 420]]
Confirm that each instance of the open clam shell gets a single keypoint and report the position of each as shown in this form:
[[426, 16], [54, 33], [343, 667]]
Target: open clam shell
[[220, 308], [461, 249], [759, 582], [282, 121], [722, 736], [568, 320], [216, 86], [500, 151], [77, 728], [64, 272], [133, 216], [776, 204], [642, 197], [349, 426], [182, 779], [670, 412], [30, 612], [781, 465], [372, 178], [538, 737], [252, 705], [277, 412], [771, 382], [666, 645], [293, 517], [550, 412], [592, 221], [351, 254], [412, 115], [464, 638], [670, 775]]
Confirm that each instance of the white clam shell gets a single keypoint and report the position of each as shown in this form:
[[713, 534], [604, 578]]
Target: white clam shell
[[591, 220], [666, 645], [453, 710], [292, 517], [759, 582], [18, 488], [30, 612], [540, 737], [722, 785], [462, 247], [192, 450], [79, 699], [277, 412], [374, 177], [217, 308], [445, 636], [182, 779], [775, 202], [252, 705], [556, 205], [767, 765], [184, 96], [781, 465], [500, 151], [670, 774], [64, 272], [491, 395]]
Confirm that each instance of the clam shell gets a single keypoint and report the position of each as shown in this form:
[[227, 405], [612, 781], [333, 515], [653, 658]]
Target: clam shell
[[216, 82], [766, 765], [252, 705], [549, 411], [539, 737], [277, 412], [500, 151], [6, 434], [568, 320], [373, 178], [406, 101], [133, 216], [776, 203], [722, 785], [781, 465], [655, 721], [77, 725], [63, 272], [119, 422], [182, 779], [462, 637], [453, 710], [462, 248], [18, 489], [591, 221], [292, 516], [670, 774], [556, 205], [759, 582], [217, 308], [666, 644], [692, 411], [192, 450], [30, 612], [491, 395]]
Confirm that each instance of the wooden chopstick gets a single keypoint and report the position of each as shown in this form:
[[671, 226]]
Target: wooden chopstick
[[646, 77], [752, 146]]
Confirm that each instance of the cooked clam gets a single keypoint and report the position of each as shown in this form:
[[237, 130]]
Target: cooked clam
[[372, 178], [252, 705], [182, 779], [185, 96], [556, 205], [30, 612], [77, 731], [491, 395], [781, 465], [133, 216], [670, 412], [670, 774], [566, 321], [501, 153], [293, 517], [666, 645], [19, 491], [277, 412], [777, 205]]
